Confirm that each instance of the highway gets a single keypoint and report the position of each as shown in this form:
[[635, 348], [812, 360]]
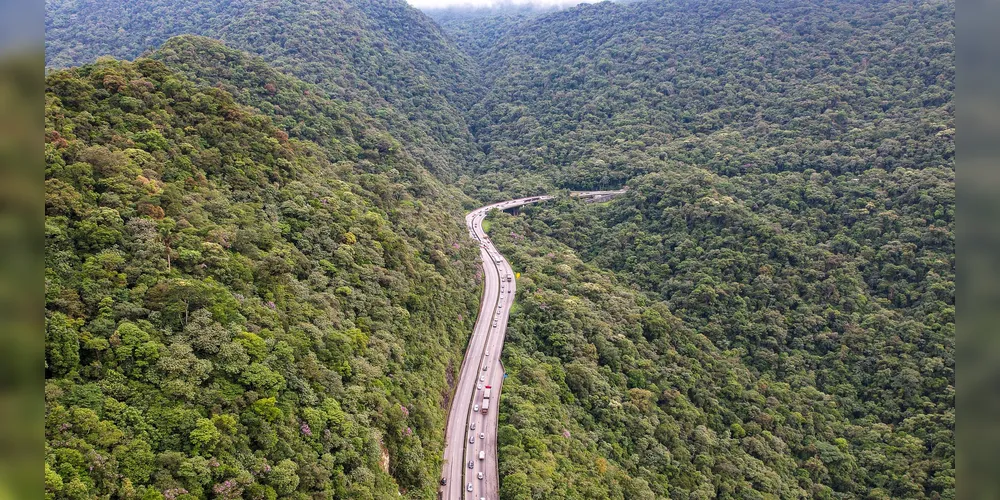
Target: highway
[[480, 370]]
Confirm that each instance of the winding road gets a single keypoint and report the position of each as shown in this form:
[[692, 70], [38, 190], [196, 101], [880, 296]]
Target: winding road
[[471, 436]]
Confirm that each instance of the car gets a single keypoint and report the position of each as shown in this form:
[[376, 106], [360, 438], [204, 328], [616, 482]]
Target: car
[[444, 481], [482, 435], [475, 407], [484, 369], [482, 378], [478, 386], [487, 353], [472, 426], [494, 323], [469, 487], [471, 464], [480, 475], [472, 438]]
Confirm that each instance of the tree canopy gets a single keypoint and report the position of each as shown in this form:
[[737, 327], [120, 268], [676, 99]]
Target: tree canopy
[[235, 309], [791, 205], [258, 285]]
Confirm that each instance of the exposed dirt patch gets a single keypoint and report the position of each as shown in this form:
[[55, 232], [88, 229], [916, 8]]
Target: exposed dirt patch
[[449, 376], [384, 462]]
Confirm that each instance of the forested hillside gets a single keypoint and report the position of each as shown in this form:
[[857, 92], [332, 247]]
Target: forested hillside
[[477, 29], [382, 53], [863, 319], [593, 96], [612, 395], [233, 311], [791, 199], [257, 282]]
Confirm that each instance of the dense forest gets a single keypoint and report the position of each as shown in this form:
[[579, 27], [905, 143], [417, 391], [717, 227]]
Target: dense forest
[[233, 311], [791, 199], [477, 29], [601, 374], [257, 284], [593, 96], [380, 53]]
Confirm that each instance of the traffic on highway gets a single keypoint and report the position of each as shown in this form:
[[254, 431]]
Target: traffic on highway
[[469, 470]]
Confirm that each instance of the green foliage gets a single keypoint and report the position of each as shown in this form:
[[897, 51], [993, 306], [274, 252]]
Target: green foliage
[[790, 208], [205, 436], [62, 344], [249, 274], [195, 342], [283, 478], [602, 374], [590, 97], [370, 52]]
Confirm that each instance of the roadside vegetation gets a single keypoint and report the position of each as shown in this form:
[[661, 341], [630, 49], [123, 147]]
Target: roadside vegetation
[[232, 311]]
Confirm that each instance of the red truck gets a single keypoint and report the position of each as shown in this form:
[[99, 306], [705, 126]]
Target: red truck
[[486, 399]]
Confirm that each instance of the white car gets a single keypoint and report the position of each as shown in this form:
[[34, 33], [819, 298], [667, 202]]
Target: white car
[[482, 435], [480, 475], [469, 487], [482, 378], [475, 407], [478, 386], [472, 426], [472, 438]]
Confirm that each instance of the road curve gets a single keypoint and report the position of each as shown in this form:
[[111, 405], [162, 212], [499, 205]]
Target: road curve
[[480, 368]]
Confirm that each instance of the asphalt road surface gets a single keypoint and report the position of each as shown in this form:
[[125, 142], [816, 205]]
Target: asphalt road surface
[[480, 369]]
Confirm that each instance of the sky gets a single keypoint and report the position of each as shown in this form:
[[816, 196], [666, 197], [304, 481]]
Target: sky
[[424, 4]]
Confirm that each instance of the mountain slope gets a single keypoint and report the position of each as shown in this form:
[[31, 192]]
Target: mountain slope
[[477, 29], [767, 313], [613, 394], [863, 319], [232, 311], [791, 174], [592, 96], [382, 53]]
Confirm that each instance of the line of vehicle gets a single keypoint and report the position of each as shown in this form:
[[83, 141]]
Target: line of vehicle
[[482, 360], [489, 345]]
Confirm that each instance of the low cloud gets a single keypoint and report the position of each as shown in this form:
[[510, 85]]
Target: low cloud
[[437, 4]]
